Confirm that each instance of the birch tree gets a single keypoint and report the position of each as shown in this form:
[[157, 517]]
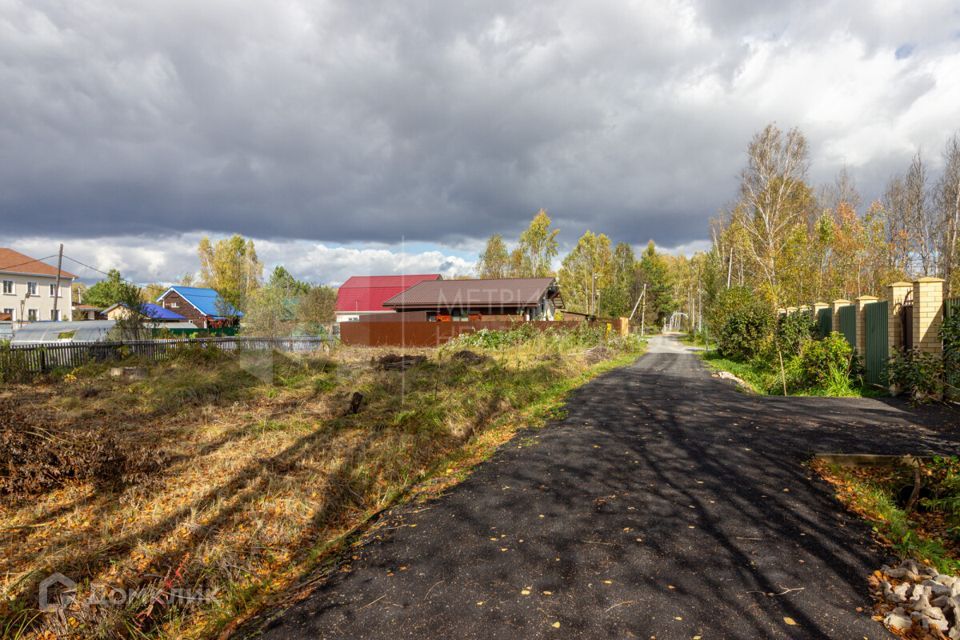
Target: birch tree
[[771, 188], [494, 262], [919, 216], [948, 206], [587, 272]]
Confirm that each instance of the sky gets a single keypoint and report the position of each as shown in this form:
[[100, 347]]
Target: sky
[[356, 137]]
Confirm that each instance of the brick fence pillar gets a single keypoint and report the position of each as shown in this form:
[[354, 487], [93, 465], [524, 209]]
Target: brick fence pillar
[[927, 314], [896, 292], [837, 305], [862, 302]]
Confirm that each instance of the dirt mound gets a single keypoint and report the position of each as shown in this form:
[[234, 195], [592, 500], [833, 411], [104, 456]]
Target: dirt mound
[[471, 357], [34, 458], [396, 362], [597, 354]]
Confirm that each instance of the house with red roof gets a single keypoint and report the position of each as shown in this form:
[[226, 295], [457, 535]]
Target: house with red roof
[[363, 296], [32, 290]]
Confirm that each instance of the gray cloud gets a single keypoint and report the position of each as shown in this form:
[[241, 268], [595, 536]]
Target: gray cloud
[[366, 121]]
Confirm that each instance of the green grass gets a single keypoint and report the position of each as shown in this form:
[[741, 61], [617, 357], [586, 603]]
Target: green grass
[[756, 381], [765, 381], [870, 492]]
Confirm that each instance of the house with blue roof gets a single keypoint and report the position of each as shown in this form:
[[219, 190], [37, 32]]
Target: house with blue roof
[[148, 310], [202, 306]]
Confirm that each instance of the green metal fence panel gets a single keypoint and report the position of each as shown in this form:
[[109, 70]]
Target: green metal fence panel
[[875, 326], [824, 322], [848, 324], [951, 306]]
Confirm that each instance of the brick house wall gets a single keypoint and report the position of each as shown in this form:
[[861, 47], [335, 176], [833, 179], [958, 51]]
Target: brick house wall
[[178, 304]]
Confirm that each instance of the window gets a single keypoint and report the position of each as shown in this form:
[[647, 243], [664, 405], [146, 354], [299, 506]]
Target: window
[[174, 305], [8, 286], [32, 315], [53, 291], [9, 312], [32, 288], [53, 315]]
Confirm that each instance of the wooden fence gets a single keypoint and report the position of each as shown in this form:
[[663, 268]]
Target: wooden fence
[[46, 357], [432, 334]]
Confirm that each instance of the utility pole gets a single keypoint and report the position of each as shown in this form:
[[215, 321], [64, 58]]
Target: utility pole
[[593, 294], [643, 309], [642, 295], [56, 292]]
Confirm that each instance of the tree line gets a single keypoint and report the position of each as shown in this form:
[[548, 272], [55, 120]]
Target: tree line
[[278, 306], [596, 278], [793, 244]]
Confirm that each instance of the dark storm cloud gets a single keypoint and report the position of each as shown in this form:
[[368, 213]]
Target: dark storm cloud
[[369, 121]]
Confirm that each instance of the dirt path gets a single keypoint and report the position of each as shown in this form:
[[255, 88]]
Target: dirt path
[[666, 504]]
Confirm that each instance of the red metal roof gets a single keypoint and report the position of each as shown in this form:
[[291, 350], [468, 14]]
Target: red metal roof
[[368, 293], [15, 262]]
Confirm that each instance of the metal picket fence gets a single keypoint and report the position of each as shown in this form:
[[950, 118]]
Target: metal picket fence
[[46, 357]]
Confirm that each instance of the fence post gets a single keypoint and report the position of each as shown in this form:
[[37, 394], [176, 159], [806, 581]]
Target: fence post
[[862, 302], [896, 293], [837, 305], [927, 314]]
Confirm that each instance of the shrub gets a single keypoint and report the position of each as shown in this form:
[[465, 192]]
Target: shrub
[[13, 365], [745, 331], [950, 332], [918, 373], [826, 364], [793, 332]]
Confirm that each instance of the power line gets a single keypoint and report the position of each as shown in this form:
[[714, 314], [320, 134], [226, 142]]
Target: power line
[[88, 266]]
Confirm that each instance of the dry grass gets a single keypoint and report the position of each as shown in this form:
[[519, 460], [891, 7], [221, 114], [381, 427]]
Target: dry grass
[[264, 471]]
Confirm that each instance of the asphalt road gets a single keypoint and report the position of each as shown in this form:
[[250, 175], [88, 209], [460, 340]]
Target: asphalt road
[[666, 504]]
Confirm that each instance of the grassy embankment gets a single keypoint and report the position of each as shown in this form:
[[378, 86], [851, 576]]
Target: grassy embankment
[[930, 531], [765, 379], [240, 475]]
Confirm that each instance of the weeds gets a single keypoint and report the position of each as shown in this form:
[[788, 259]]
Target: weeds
[[262, 470], [930, 532]]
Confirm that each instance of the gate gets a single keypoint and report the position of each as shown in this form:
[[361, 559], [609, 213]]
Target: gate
[[848, 324], [905, 339], [824, 322], [875, 326]]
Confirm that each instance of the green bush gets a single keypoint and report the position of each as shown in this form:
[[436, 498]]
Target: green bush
[[793, 332], [745, 331], [950, 332], [918, 373], [826, 364]]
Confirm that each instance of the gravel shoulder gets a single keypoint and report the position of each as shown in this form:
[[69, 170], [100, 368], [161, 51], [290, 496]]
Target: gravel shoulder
[[666, 503]]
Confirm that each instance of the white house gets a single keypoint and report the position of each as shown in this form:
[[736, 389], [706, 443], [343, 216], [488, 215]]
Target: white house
[[28, 289]]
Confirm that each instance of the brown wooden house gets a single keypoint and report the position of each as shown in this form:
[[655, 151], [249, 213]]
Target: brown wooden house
[[474, 300]]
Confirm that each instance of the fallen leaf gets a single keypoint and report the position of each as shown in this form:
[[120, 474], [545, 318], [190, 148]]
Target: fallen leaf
[[556, 625], [790, 621]]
